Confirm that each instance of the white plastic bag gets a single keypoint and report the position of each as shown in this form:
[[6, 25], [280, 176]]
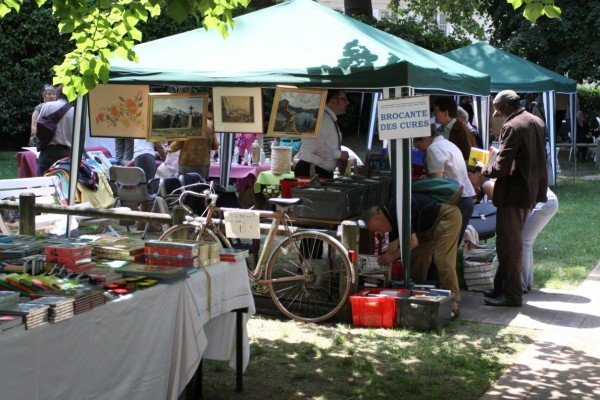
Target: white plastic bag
[[169, 168]]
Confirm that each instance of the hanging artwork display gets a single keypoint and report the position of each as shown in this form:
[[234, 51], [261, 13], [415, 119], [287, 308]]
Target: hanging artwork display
[[119, 111], [297, 112], [176, 116], [238, 109]]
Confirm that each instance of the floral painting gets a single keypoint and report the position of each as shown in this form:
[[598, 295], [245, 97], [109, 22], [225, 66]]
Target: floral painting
[[119, 111]]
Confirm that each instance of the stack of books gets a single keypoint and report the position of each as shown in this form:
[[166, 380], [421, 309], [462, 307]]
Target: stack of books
[[8, 297], [174, 254], [34, 315], [209, 253], [74, 256], [232, 255], [61, 308], [129, 251], [11, 251], [85, 299]]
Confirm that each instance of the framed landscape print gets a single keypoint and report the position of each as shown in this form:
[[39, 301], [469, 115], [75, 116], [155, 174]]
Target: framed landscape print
[[119, 111], [237, 109], [297, 112], [176, 116]]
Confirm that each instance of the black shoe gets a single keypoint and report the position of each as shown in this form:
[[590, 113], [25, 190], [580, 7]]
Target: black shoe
[[491, 294], [502, 302]]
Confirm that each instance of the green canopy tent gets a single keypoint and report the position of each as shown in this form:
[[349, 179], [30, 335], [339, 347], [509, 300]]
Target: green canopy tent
[[301, 43], [508, 71]]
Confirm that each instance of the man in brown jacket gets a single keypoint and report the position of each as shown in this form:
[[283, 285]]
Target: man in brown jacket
[[445, 110], [522, 181]]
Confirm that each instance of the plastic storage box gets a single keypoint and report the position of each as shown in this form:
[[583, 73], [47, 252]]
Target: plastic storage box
[[425, 312], [376, 307]]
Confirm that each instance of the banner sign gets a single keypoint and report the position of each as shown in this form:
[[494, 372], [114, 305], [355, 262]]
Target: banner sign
[[403, 118]]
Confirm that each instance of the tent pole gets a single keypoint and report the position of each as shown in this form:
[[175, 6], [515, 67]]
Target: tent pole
[[360, 111], [225, 151], [79, 124], [372, 120]]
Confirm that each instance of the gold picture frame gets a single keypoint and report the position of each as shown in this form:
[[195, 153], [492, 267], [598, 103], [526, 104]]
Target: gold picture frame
[[176, 116], [238, 109], [118, 111], [297, 112]]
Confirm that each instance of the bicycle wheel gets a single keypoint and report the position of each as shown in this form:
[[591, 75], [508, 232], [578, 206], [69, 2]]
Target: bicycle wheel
[[309, 276]]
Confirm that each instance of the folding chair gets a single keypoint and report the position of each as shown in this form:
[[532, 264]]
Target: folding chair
[[131, 188]]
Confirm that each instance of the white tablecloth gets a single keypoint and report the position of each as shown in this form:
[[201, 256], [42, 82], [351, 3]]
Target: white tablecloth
[[142, 346]]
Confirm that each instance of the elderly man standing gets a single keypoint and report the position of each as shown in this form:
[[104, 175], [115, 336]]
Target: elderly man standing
[[445, 109], [522, 181], [323, 154]]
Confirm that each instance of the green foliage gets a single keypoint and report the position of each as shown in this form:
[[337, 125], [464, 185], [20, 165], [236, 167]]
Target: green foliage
[[589, 102], [421, 33], [108, 28], [568, 46], [31, 58], [29, 46]]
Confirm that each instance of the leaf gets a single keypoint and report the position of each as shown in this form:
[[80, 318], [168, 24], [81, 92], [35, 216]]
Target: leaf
[[533, 11], [552, 11], [515, 3]]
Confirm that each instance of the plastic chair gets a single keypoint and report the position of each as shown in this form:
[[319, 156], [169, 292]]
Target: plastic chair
[[131, 187]]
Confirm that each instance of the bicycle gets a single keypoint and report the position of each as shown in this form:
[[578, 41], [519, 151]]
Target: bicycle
[[308, 275]]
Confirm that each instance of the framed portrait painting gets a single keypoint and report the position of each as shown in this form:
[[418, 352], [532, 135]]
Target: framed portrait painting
[[176, 116], [297, 112], [119, 111], [237, 109]]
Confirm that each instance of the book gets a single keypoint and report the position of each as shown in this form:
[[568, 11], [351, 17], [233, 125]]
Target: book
[[8, 297], [10, 321], [233, 255], [173, 261], [185, 250], [69, 250], [126, 249], [153, 271]]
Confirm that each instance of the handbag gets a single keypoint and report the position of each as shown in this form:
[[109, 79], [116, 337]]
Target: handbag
[[46, 126], [483, 219]]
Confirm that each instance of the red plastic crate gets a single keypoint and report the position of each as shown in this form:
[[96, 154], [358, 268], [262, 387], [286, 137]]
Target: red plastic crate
[[288, 183], [371, 309]]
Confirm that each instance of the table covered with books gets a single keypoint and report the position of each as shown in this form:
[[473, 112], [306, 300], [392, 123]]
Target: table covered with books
[[141, 345]]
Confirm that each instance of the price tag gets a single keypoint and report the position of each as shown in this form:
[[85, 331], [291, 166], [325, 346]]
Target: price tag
[[242, 225]]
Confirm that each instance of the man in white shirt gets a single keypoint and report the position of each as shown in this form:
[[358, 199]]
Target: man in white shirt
[[444, 160], [322, 154]]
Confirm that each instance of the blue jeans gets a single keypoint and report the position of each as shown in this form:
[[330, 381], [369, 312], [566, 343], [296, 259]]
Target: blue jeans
[[536, 221]]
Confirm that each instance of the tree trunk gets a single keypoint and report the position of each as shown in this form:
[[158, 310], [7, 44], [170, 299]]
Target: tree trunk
[[358, 7]]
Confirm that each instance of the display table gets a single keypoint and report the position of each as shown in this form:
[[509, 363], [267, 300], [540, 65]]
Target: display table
[[27, 163], [147, 345], [238, 171], [269, 178]]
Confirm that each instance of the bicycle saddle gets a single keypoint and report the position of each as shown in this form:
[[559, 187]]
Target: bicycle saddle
[[285, 202]]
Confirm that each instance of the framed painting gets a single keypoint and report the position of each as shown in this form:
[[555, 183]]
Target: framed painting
[[176, 116], [297, 112], [119, 111], [237, 109]]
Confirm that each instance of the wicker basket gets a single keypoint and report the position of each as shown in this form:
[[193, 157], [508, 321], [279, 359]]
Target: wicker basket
[[281, 159]]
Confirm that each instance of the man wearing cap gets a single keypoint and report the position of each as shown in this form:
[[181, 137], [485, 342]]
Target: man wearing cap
[[522, 181]]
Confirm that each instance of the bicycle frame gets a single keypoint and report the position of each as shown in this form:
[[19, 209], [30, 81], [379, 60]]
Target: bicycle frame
[[279, 218]]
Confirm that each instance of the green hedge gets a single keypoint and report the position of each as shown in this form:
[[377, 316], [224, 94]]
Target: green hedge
[[589, 102]]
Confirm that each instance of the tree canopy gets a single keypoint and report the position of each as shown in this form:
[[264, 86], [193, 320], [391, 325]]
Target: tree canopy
[[103, 29]]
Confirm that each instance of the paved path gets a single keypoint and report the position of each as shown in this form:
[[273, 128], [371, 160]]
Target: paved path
[[564, 361]]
